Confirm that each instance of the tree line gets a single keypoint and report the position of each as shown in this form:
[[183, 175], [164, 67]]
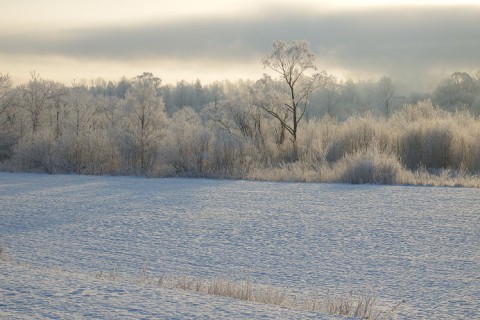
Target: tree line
[[295, 115]]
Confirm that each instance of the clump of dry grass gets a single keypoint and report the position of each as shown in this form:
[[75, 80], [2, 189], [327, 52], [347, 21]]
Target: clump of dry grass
[[444, 178], [3, 254], [112, 275], [361, 305]]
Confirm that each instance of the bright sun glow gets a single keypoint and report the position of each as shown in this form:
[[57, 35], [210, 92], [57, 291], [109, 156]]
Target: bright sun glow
[[369, 3]]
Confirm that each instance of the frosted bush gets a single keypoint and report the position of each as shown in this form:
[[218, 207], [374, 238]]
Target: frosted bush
[[418, 112], [369, 166], [187, 146], [89, 153], [231, 157], [314, 138], [354, 135], [234, 139], [36, 152]]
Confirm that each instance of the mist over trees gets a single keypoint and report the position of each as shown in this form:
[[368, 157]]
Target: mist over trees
[[294, 124]]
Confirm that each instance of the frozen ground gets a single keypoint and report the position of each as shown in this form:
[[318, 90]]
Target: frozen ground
[[29, 292], [415, 244]]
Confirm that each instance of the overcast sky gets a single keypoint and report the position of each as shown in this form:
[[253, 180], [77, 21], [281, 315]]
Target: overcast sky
[[416, 42]]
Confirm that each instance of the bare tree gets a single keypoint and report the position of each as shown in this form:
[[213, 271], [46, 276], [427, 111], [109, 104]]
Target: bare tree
[[292, 62]]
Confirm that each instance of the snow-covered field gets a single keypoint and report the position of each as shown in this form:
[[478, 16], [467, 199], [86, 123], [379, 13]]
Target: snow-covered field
[[418, 244]]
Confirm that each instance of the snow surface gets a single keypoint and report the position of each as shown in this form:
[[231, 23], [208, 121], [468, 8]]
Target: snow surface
[[418, 244]]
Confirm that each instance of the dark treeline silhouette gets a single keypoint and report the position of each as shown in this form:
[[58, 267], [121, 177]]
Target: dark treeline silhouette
[[348, 131]]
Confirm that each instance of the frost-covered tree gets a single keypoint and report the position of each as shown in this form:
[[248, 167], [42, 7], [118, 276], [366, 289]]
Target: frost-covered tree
[[58, 106], [186, 94], [7, 116], [215, 93], [109, 109], [82, 109], [39, 101], [239, 115], [457, 91], [386, 93], [269, 96], [35, 96], [76, 137], [186, 147], [295, 63], [6, 93], [330, 92], [145, 120]]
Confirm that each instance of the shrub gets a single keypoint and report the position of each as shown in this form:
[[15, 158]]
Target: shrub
[[314, 138], [354, 135], [370, 166], [431, 144], [36, 153], [418, 112]]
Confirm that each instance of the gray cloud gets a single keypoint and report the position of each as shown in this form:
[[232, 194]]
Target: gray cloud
[[393, 40]]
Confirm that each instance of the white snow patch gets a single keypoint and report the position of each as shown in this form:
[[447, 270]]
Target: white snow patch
[[415, 244]]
